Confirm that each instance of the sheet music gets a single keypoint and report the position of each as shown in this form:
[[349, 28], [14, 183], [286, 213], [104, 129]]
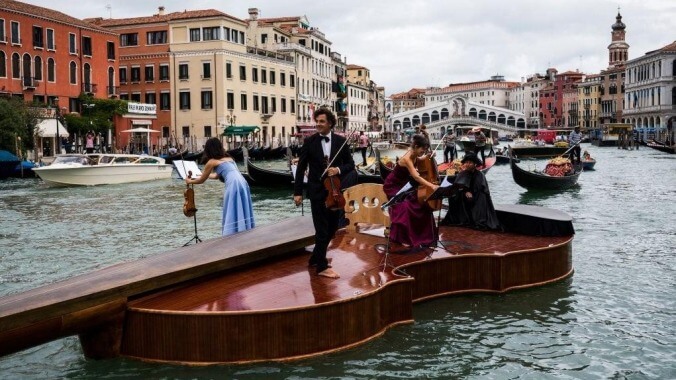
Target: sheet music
[[406, 187], [445, 182], [190, 166]]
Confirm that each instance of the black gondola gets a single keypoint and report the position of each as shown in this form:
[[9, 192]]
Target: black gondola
[[662, 147], [194, 156], [268, 177], [534, 180], [237, 154], [169, 158]]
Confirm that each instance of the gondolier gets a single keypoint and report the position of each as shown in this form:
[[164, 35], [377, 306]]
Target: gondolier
[[574, 140]]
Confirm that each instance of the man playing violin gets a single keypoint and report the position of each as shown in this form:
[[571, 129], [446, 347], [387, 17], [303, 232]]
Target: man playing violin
[[317, 152]]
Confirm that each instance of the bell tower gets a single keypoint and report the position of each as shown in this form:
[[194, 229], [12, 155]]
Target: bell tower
[[618, 50]]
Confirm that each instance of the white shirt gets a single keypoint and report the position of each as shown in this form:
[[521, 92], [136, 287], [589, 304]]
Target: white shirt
[[326, 145]]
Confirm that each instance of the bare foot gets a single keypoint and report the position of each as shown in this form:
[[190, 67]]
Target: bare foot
[[328, 272]]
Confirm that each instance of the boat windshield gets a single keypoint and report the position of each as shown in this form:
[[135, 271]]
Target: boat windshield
[[69, 160]]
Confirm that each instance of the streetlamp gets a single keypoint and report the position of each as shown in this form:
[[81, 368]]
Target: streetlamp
[[57, 140], [231, 119]]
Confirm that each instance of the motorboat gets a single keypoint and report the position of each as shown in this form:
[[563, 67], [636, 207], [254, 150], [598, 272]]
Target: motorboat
[[103, 169]]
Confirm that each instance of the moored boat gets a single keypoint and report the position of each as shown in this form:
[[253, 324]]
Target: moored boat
[[103, 169], [662, 147], [8, 162]]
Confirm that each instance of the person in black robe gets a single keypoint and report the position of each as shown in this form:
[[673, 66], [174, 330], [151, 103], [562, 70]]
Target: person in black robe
[[471, 204]]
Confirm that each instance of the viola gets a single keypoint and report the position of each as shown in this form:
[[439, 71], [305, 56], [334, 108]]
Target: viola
[[427, 168], [334, 199], [189, 208]]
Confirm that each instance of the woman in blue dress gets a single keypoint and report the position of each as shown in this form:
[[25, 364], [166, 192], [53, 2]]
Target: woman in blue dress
[[237, 208]]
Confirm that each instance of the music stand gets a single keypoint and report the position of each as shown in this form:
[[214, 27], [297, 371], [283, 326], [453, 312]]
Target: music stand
[[446, 190]]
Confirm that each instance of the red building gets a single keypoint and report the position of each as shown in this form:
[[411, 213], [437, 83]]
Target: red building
[[47, 56], [552, 97]]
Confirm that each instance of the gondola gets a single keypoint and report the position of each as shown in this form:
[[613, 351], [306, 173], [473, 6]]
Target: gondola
[[259, 176], [268, 177], [534, 180], [662, 147], [193, 156], [237, 154], [169, 158]]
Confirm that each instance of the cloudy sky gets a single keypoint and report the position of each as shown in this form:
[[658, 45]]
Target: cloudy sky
[[425, 43]]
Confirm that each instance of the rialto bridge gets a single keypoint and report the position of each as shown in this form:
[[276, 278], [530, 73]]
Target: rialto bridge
[[459, 111]]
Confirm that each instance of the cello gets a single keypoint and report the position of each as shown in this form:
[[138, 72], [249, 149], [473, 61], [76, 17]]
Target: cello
[[427, 168], [189, 208]]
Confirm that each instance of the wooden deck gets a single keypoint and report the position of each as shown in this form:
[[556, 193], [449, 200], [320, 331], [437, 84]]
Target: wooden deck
[[281, 310], [93, 305]]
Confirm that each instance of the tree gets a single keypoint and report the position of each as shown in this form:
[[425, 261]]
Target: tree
[[16, 120]]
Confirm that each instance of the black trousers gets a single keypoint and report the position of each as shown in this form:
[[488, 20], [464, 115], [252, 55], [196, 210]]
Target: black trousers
[[576, 153], [326, 224], [447, 150], [363, 154], [481, 149]]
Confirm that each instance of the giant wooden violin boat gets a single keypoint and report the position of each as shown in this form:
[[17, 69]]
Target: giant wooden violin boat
[[251, 297]]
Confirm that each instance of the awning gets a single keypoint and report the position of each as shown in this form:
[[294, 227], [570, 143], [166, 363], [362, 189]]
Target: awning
[[240, 130], [140, 130], [47, 128], [142, 122]]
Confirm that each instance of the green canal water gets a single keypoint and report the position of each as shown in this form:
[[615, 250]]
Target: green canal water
[[614, 318]]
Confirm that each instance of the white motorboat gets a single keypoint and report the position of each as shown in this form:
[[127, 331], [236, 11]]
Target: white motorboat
[[103, 169]]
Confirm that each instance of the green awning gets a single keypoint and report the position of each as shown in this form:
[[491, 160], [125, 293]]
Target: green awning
[[240, 130]]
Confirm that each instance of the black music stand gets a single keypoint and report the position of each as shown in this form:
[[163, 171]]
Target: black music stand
[[445, 192], [385, 261]]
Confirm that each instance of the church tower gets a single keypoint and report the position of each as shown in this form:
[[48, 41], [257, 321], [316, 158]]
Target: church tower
[[618, 50]]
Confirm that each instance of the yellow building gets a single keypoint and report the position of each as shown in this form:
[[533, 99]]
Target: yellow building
[[589, 103]]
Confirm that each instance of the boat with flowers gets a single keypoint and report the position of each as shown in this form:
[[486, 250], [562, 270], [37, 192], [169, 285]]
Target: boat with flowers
[[559, 173]]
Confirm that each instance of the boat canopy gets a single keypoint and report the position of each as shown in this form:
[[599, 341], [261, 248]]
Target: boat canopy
[[240, 130]]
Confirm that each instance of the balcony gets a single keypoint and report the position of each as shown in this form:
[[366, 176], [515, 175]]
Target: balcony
[[89, 88], [29, 83], [113, 91]]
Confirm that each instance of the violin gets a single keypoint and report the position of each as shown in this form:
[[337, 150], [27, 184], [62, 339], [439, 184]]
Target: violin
[[189, 208], [427, 168], [334, 200]]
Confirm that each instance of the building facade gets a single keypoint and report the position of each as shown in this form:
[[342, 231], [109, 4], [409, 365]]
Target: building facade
[[48, 57], [589, 101], [650, 98]]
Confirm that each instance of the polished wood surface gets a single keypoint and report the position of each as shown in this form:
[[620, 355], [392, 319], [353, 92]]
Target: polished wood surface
[[281, 310], [77, 305]]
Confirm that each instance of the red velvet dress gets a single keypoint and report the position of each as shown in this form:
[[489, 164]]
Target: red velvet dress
[[412, 223]]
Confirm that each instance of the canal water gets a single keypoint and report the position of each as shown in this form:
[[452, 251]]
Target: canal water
[[614, 318]]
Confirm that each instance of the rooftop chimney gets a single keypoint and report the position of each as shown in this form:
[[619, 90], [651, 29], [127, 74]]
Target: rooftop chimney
[[253, 13], [160, 10]]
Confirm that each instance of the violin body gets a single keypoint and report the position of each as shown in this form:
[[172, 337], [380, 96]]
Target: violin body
[[427, 168], [335, 199], [189, 208]]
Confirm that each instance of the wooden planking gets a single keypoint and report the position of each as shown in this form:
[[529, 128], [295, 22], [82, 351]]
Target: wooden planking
[[58, 302], [265, 312]]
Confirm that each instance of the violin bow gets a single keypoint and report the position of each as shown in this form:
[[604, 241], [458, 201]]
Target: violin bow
[[352, 131]]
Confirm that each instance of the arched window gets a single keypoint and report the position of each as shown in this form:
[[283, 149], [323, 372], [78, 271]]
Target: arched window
[[435, 116], [444, 113], [16, 66], [3, 64], [27, 69], [51, 72], [73, 73], [425, 118], [111, 81], [38, 68], [87, 80]]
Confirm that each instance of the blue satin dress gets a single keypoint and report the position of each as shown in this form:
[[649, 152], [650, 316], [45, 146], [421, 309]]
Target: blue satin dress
[[237, 208]]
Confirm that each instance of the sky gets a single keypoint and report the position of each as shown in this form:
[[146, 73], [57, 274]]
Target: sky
[[433, 43]]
